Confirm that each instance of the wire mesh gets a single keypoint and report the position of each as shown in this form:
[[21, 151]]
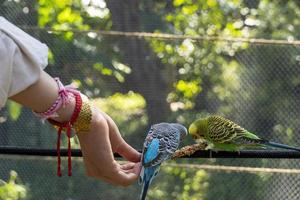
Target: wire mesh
[[253, 82]]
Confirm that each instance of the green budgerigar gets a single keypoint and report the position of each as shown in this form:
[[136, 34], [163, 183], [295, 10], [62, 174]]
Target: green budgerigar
[[223, 134]]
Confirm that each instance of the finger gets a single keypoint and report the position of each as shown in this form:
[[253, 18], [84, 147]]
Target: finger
[[118, 143], [119, 177], [126, 179], [123, 177], [126, 151], [127, 166], [136, 169], [113, 177], [91, 172]]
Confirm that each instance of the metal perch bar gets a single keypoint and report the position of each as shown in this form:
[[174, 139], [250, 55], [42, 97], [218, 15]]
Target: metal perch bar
[[198, 154]]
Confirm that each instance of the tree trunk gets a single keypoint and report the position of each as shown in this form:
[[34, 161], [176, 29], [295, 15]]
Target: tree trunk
[[147, 76]]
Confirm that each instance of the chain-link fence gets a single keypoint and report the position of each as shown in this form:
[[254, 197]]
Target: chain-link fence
[[169, 78]]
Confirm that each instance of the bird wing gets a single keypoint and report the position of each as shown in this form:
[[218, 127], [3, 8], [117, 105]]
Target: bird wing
[[168, 139], [222, 130], [147, 147]]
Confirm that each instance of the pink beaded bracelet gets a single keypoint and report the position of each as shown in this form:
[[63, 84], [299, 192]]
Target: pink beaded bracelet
[[64, 93]]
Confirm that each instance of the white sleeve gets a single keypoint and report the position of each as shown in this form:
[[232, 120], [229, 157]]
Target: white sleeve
[[22, 58]]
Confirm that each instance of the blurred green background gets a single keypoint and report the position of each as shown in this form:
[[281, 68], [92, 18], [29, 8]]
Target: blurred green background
[[144, 80]]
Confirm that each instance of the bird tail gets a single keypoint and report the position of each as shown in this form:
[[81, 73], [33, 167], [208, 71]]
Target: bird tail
[[144, 190], [141, 178], [281, 146]]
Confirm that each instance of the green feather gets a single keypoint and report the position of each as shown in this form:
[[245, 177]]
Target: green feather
[[251, 135], [226, 135]]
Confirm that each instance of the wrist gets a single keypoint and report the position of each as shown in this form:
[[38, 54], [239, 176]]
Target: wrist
[[65, 113]]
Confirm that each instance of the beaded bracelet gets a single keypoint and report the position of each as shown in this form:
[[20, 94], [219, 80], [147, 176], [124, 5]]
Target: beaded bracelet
[[64, 94], [80, 119]]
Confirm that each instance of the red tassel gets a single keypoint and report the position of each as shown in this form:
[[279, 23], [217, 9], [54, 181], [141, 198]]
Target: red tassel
[[58, 151], [68, 126], [69, 151]]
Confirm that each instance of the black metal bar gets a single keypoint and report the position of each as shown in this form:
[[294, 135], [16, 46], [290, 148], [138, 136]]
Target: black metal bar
[[247, 154], [10, 150]]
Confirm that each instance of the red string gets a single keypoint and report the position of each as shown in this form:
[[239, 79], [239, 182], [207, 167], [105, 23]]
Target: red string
[[69, 151], [67, 126], [58, 151]]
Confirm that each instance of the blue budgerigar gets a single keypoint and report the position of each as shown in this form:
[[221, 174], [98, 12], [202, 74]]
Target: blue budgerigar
[[162, 141]]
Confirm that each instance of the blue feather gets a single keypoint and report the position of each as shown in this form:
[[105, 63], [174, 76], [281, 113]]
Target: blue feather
[[144, 191], [152, 151], [281, 146], [162, 140], [148, 176]]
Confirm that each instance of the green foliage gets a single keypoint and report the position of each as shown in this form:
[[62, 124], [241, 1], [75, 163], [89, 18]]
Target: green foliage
[[190, 184], [61, 15], [126, 109], [197, 61], [189, 89], [243, 81], [12, 190], [14, 110]]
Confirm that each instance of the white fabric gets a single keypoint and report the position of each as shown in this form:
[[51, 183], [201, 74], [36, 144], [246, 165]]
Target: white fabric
[[22, 58]]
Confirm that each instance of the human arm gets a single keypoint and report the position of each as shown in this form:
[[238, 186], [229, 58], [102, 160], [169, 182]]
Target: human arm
[[98, 144]]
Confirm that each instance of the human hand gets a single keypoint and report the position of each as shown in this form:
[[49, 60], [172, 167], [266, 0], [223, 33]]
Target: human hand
[[98, 146]]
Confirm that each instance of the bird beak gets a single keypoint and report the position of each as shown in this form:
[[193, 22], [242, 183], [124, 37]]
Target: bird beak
[[193, 129]]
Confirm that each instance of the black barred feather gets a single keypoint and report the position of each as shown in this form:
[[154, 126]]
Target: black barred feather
[[169, 136], [223, 130]]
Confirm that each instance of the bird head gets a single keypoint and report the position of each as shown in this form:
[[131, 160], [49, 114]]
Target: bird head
[[198, 128], [182, 130]]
